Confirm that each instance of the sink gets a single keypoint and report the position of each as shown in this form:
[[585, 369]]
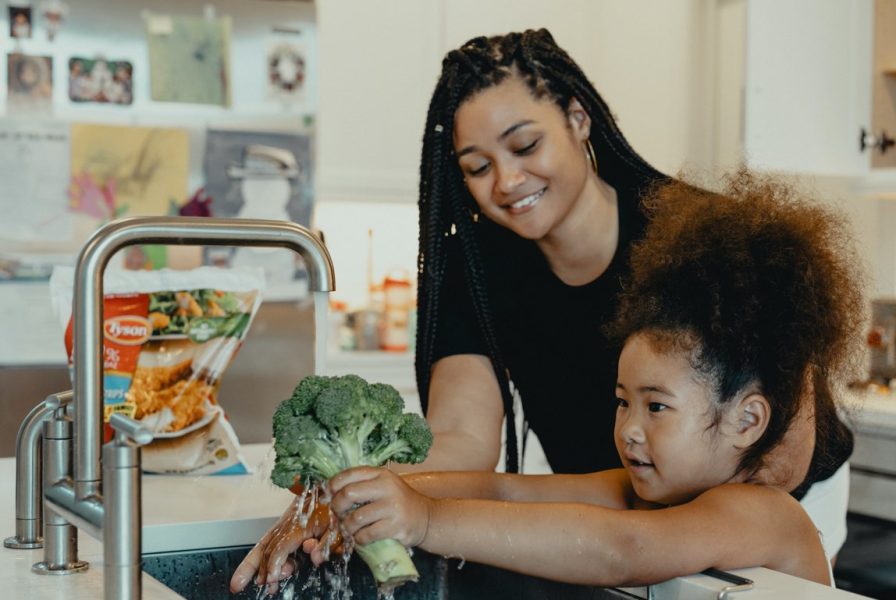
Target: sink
[[205, 575]]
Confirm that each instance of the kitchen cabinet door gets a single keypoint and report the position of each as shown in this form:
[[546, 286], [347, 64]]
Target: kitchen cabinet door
[[807, 85], [379, 60]]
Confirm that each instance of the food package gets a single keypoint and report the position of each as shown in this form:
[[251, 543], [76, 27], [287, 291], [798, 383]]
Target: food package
[[168, 338]]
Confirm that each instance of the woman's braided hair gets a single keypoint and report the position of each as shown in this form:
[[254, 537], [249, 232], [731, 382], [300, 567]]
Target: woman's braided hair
[[445, 204]]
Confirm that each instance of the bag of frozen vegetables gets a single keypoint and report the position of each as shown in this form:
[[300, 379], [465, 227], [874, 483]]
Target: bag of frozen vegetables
[[168, 338]]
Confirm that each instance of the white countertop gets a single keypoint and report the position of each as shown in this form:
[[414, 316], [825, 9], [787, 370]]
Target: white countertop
[[873, 411], [185, 513]]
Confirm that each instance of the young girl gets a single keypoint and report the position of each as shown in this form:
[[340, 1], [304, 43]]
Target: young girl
[[738, 306]]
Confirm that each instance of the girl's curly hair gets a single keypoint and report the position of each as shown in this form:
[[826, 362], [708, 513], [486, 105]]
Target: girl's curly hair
[[758, 285]]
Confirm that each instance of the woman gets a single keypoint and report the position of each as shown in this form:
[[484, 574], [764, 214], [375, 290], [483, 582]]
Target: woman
[[529, 204]]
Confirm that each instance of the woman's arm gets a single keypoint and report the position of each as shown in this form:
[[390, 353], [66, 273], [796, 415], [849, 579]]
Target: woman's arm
[[729, 527], [465, 414]]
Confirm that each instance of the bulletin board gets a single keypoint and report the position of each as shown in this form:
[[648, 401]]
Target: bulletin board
[[102, 117]]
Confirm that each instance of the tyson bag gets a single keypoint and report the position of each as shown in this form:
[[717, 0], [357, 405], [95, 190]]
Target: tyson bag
[[168, 337]]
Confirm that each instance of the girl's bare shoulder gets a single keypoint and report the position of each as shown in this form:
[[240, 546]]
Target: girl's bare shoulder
[[779, 523]]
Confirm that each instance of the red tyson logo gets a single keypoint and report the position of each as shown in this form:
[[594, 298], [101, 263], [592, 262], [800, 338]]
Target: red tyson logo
[[127, 330]]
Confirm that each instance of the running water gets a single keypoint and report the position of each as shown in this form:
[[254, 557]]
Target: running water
[[321, 328]]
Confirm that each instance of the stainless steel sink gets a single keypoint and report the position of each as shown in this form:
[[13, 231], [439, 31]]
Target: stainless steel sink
[[205, 575]]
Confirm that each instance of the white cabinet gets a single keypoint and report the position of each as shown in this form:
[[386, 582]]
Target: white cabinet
[[379, 61], [806, 82]]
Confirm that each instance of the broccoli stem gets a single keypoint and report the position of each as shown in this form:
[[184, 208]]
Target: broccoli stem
[[389, 561], [383, 455]]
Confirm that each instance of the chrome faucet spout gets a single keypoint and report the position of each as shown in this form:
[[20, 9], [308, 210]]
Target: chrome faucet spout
[[88, 303], [29, 485]]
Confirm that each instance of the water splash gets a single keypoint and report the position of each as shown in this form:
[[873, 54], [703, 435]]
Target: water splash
[[264, 467], [288, 592], [462, 562]]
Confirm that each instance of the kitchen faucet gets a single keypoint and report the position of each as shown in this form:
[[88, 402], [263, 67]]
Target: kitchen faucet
[[73, 489]]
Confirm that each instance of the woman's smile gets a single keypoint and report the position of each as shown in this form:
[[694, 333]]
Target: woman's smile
[[524, 204]]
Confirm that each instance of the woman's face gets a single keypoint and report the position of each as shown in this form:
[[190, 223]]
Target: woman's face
[[664, 431], [522, 158]]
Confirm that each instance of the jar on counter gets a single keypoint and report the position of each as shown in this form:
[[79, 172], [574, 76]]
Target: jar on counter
[[397, 300], [367, 329]]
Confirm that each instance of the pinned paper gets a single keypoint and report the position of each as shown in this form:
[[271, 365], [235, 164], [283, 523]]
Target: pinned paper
[[189, 59], [145, 166], [29, 82]]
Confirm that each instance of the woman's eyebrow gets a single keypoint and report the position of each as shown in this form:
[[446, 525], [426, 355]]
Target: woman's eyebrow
[[506, 133]]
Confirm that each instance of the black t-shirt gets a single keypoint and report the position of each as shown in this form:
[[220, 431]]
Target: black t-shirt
[[550, 336]]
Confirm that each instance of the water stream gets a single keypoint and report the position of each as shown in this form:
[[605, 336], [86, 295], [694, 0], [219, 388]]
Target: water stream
[[321, 330]]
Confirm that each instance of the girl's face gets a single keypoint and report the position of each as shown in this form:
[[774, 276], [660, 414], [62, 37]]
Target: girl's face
[[522, 157], [664, 431]]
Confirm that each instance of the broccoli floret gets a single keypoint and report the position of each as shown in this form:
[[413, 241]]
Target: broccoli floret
[[302, 401], [416, 432], [387, 397], [309, 388], [409, 443], [330, 424]]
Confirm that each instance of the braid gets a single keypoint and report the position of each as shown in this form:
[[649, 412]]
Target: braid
[[431, 259], [476, 279], [444, 202]]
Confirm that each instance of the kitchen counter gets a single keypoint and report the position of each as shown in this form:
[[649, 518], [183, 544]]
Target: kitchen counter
[[873, 411], [181, 513], [872, 491]]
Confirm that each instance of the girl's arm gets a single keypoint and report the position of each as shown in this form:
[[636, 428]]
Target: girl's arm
[[610, 488], [732, 526]]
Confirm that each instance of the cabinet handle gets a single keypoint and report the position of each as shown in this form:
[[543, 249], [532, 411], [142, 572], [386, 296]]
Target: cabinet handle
[[869, 140]]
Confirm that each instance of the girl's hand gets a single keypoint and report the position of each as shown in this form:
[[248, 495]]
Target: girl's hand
[[376, 504], [270, 560]]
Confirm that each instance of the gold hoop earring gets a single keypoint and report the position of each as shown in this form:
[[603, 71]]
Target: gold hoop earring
[[590, 155]]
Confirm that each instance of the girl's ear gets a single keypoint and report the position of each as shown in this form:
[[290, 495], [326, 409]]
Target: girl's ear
[[579, 120], [751, 416]]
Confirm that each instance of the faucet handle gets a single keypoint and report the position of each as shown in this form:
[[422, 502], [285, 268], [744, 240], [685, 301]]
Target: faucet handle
[[59, 400], [128, 428]]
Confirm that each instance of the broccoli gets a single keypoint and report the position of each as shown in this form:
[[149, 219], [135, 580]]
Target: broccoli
[[330, 424]]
